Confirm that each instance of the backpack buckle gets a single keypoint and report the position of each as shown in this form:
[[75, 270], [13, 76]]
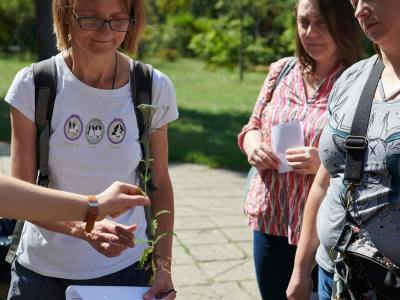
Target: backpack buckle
[[356, 142], [42, 179]]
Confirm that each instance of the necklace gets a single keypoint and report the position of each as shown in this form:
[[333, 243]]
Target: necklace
[[115, 69]]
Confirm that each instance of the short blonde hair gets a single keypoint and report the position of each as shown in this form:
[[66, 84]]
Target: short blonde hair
[[62, 9]]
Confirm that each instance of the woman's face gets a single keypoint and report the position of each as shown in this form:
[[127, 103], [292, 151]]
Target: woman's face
[[314, 33], [379, 19], [104, 41]]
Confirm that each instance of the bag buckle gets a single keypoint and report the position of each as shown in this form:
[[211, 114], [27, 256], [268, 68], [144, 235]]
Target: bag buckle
[[356, 142]]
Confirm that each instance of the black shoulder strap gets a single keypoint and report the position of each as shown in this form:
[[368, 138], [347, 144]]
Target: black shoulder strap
[[356, 141], [141, 80], [45, 80]]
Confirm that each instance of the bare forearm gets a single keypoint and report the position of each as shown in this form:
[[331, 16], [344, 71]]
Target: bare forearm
[[308, 244], [162, 199], [252, 139]]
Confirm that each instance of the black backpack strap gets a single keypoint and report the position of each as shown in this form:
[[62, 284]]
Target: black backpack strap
[[357, 141], [141, 80], [45, 80]]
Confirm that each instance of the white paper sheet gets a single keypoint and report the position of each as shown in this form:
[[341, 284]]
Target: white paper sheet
[[286, 136], [76, 292]]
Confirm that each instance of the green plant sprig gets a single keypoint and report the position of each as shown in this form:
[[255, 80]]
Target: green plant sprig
[[149, 258]]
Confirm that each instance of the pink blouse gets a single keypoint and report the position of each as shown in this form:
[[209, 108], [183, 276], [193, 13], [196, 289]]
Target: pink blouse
[[275, 202]]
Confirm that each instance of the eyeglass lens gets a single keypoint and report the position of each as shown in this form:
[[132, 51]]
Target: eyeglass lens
[[94, 24]]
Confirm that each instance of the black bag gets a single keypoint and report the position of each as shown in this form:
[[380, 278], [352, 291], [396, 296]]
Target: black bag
[[361, 271], [6, 232]]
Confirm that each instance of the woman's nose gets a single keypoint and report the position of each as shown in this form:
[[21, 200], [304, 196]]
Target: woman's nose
[[362, 10], [311, 30]]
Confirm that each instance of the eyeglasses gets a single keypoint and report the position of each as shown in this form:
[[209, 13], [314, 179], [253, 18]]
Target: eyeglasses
[[95, 24]]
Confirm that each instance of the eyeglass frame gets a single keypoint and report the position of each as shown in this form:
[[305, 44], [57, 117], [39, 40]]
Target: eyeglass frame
[[79, 18]]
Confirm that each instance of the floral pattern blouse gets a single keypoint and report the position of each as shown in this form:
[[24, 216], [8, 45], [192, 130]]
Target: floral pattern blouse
[[275, 202]]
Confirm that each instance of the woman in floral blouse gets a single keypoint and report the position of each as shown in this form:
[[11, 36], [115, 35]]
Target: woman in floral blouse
[[275, 201]]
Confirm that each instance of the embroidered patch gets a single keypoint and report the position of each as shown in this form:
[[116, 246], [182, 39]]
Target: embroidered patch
[[116, 131], [73, 128], [94, 131]]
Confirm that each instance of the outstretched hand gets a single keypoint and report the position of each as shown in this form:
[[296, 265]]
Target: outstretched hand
[[119, 198], [110, 238]]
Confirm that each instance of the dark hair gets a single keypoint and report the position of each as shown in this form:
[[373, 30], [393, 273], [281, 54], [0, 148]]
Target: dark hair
[[342, 25]]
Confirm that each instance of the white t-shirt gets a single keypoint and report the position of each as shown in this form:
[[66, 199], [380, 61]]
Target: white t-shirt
[[94, 142]]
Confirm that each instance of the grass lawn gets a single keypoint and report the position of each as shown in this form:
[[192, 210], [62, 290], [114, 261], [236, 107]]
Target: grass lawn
[[213, 107]]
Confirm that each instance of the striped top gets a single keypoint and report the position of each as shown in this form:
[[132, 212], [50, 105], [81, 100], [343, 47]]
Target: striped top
[[275, 202]]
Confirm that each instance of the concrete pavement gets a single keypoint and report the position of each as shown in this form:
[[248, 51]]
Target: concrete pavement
[[212, 254]]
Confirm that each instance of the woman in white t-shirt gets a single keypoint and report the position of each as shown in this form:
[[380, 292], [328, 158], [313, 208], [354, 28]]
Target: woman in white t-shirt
[[86, 155]]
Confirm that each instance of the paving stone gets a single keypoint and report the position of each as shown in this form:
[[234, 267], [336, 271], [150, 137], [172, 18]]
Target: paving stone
[[204, 253], [247, 247], [5, 165], [184, 275], [230, 221], [239, 234], [180, 256], [201, 237], [219, 291], [218, 268], [190, 223], [243, 270], [251, 287]]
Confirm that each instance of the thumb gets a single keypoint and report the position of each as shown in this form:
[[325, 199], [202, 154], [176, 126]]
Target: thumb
[[151, 294], [135, 200]]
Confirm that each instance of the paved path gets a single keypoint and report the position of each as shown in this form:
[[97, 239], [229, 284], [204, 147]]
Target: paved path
[[212, 251]]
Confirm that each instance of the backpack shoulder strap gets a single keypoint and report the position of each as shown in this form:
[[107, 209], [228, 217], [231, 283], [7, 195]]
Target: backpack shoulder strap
[[141, 79], [45, 80], [141, 88], [281, 70]]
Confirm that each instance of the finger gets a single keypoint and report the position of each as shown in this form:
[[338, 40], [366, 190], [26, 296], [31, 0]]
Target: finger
[[259, 163], [271, 163], [135, 200], [111, 250], [169, 295], [151, 293], [125, 231], [296, 157], [297, 150], [131, 189], [297, 164]]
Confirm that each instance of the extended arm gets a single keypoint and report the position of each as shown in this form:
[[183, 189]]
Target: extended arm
[[300, 284], [21, 200]]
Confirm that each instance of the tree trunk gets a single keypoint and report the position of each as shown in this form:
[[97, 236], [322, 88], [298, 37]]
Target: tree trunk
[[45, 37], [241, 47]]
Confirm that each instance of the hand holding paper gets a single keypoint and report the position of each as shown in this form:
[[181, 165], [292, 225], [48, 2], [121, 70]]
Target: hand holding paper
[[284, 137], [304, 160]]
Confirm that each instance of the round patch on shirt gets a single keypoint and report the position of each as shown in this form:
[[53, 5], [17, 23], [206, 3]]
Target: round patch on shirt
[[116, 131], [94, 131], [73, 127]]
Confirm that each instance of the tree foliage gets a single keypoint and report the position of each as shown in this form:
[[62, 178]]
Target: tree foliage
[[211, 29], [208, 29], [17, 24]]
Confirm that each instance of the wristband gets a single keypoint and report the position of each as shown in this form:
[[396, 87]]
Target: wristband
[[92, 213]]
